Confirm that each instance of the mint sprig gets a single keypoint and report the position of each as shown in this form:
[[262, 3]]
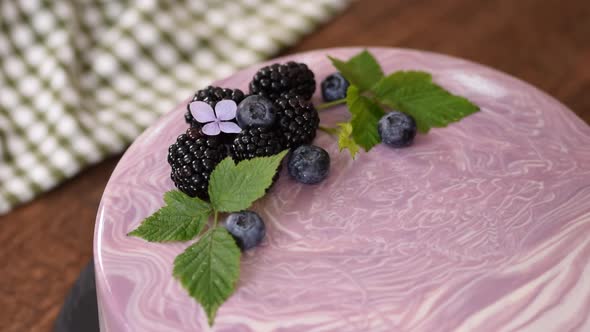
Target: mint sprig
[[371, 94], [209, 268]]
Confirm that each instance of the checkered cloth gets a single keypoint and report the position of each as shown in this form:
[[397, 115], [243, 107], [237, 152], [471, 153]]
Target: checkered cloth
[[80, 79]]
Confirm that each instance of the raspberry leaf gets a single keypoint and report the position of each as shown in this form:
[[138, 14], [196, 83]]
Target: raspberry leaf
[[181, 219], [233, 188], [345, 140], [365, 118], [402, 78], [209, 269], [361, 70], [414, 93]]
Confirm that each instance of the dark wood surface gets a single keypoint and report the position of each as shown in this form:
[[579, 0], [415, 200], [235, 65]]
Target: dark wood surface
[[545, 42]]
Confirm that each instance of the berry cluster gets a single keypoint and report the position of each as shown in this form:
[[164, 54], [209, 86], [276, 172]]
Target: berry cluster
[[276, 79], [276, 115]]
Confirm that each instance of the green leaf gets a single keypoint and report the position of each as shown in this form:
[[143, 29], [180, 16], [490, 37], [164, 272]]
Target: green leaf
[[361, 70], [234, 187], [365, 118], [345, 140], [414, 93], [209, 269], [181, 219], [400, 79]]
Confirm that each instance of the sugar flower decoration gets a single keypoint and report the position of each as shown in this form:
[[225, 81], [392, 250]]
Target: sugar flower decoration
[[218, 121]]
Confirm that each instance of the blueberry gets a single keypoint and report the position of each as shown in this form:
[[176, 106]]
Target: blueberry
[[397, 129], [256, 111], [246, 227], [334, 87], [309, 164]]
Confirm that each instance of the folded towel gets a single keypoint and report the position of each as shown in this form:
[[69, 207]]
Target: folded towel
[[79, 80]]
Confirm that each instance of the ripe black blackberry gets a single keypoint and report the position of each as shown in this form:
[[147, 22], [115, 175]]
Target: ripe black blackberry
[[276, 79], [256, 142], [298, 120], [192, 159], [211, 95]]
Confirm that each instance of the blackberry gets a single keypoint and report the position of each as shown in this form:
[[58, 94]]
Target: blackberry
[[256, 142], [192, 159], [276, 79], [298, 120], [211, 95]]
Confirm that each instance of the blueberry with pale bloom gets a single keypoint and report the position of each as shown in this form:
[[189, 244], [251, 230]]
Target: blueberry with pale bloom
[[218, 120]]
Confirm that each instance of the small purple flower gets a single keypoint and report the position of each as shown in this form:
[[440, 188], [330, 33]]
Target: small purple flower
[[216, 121]]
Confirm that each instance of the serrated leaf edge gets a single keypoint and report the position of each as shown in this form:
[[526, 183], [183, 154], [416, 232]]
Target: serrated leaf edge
[[210, 311], [168, 199], [216, 202]]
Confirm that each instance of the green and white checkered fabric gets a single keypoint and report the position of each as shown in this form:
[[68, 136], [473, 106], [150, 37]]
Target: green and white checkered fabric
[[80, 79]]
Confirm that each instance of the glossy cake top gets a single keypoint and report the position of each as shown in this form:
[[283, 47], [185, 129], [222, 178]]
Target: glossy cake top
[[480, 226]]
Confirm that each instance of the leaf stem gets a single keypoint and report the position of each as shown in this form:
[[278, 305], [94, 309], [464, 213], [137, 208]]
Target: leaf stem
[[215, 218], [330, 104], [328, 130]]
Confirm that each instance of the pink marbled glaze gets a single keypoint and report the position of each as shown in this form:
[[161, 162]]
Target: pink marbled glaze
[[481, 226]]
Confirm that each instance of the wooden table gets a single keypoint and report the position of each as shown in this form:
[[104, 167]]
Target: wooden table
[[545, 42]]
